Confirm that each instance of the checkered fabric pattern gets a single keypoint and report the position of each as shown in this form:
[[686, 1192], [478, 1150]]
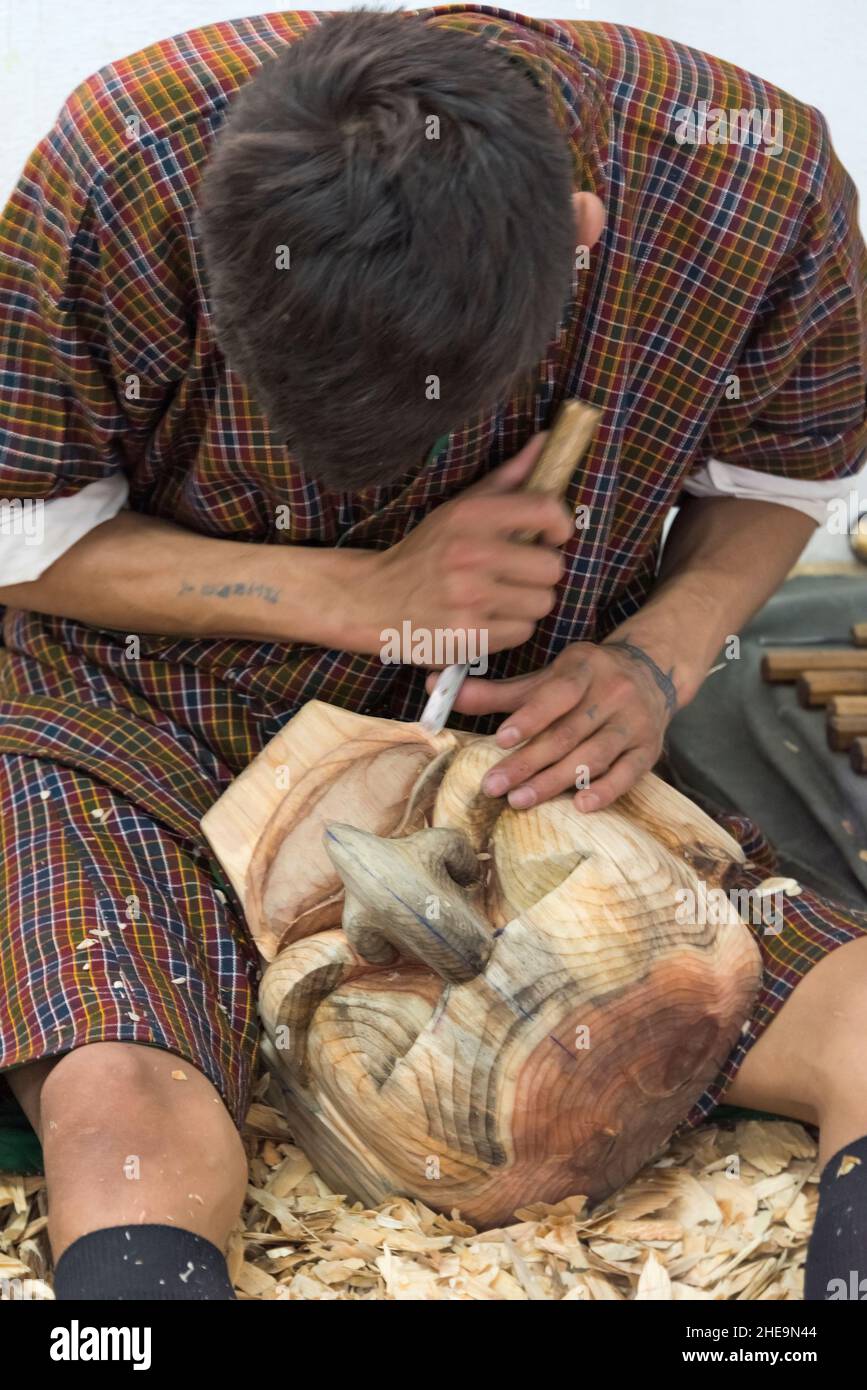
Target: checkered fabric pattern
[[717, 259]]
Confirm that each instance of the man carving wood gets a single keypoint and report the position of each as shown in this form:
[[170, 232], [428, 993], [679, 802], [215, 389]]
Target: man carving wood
[[304, 292]]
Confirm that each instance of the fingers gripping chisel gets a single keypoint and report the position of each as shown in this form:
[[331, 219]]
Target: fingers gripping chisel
[[564, 448]]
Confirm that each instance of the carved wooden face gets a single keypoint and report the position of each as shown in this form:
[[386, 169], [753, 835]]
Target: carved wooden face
[[482, 1007]]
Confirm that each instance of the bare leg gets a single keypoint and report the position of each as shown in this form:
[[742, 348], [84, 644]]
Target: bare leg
[[126, 1142], [811, 1062], [26, 1085]]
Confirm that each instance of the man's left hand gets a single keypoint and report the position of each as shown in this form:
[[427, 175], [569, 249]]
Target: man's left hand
[[593, 720]]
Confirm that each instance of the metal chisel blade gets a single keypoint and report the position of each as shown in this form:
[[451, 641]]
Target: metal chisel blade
[[442, 697]]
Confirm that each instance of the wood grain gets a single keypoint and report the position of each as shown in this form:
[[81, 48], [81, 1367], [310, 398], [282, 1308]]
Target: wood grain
[[846, 720], [788, 663], [522, 1004], [816, 688]]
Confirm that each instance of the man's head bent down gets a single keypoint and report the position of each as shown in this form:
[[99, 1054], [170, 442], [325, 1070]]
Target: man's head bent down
[[389, 234]]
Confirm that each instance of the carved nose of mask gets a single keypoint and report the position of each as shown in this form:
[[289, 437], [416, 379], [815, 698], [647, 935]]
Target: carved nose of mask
[[413, 897]]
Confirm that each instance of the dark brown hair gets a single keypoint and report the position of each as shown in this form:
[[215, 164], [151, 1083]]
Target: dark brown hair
[[388, 237]]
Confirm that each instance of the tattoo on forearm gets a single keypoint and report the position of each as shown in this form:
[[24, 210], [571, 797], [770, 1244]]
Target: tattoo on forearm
[[265, 591], [663, 678]]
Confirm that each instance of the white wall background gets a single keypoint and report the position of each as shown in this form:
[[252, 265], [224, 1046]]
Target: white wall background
[[816, 51]]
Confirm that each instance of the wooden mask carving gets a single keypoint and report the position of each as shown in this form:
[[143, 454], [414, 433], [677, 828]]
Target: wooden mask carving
[[467, 1004]]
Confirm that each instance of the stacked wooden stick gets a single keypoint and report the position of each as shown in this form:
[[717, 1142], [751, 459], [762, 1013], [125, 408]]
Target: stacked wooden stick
[[834, 678]]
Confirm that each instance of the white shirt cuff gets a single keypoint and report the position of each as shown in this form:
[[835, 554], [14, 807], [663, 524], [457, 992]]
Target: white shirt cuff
[[35, 533], [717, 479]]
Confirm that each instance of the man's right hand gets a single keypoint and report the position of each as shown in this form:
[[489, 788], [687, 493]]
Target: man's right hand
[[465, 567], [461, 568]]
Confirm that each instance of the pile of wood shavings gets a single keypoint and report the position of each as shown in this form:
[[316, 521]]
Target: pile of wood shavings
[[25, 1257], [724, 1214]]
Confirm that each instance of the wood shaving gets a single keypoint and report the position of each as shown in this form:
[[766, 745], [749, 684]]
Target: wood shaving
[[724, 1215], [847, 1163], [770, 886]]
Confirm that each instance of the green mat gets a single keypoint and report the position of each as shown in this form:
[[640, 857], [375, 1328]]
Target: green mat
[[20, 1150]]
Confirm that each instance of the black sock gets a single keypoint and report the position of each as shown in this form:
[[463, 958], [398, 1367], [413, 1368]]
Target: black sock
[[152, 1263], [837, 1254]]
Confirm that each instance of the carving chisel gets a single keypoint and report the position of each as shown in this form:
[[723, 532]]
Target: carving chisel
[[564, 448]]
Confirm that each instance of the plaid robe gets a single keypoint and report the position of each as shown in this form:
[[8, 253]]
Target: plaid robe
[[717, 259]]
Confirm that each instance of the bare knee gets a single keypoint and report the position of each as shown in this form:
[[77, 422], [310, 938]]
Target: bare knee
[[125, 1096], [133, 1133], [833, 1042], [26, 1084], [105, 1073], [836, 1039], [811, 1063], [843, 1074]]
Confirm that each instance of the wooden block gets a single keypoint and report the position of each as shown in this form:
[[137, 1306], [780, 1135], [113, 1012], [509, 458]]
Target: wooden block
[[847, 704], [858, 755], [788, 663], [843, 729], [818, 687], [846, 720]]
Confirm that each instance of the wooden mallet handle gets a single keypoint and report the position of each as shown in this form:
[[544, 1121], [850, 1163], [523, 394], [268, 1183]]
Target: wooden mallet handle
[[567, 443]]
